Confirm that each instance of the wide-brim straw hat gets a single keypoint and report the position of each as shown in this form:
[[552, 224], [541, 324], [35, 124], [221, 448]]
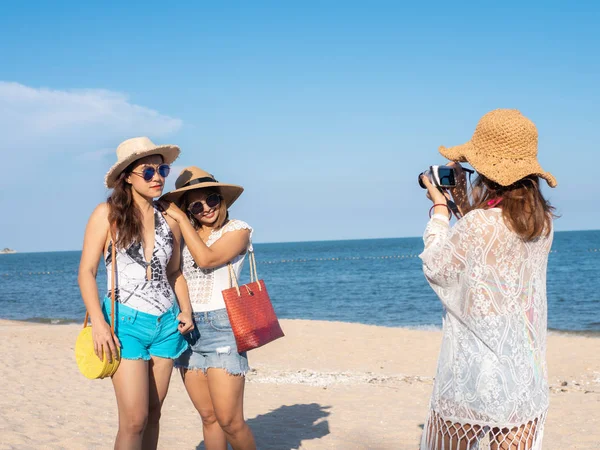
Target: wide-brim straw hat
[[503, 148], [135, 148], [193, 177]]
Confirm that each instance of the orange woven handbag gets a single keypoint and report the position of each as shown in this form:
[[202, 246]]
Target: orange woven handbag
[[250, 311]]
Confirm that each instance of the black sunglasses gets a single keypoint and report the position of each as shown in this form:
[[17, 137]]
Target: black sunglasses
[[149, 171], [212, 201]]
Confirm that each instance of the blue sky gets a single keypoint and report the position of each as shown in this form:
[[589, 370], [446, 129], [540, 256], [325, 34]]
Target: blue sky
[[324, 111]]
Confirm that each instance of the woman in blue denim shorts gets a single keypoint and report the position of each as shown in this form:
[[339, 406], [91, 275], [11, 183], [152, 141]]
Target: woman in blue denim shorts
[[212, 369], [150, 323]]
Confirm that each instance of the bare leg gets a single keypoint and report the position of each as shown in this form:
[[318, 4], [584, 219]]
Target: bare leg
[[131, 388], [160, 370], [196, 384], [518, 438], [227, 394], [448, 435], [445, 435]]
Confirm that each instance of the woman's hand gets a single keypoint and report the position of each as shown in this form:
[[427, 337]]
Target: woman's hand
[[437, 196], [186, 323], [434, 194], [170, 209], [105, 342]]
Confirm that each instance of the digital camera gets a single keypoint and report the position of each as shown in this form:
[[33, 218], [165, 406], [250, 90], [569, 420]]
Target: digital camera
[[440, 176]]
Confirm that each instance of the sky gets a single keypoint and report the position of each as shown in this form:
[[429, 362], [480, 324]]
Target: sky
[[326, 112]]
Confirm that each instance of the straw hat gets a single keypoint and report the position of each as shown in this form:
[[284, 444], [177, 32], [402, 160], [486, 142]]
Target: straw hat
[[193, 177], [503, 148], [133, 149]]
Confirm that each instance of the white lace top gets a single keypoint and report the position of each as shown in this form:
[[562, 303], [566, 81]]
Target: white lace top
[[491, 371], [205, 285]]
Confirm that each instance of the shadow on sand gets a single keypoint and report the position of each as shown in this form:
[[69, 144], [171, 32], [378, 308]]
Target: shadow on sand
[[287, 426]]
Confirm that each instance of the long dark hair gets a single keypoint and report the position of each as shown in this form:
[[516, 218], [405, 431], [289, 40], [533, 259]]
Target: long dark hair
[[124, 213], [524, 208]]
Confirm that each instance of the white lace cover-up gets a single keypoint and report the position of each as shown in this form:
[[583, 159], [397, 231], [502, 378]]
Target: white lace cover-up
[[491, 385]]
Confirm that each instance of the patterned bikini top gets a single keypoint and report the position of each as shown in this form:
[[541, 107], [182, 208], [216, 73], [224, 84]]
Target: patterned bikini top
[[132, 286]]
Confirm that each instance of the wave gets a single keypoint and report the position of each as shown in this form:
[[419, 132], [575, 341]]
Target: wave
[[51, 321], [585, 333]]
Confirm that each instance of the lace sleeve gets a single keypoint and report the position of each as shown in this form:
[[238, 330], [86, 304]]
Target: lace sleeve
[[440, 265], [446, 249], [236, 225]]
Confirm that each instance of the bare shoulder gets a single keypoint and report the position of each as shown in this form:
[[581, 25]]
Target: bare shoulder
[[97, 230], [100, 215], [101, 210]]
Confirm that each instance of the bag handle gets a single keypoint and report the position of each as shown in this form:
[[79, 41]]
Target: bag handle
[[113, 232], [253, 271], [233, 281]]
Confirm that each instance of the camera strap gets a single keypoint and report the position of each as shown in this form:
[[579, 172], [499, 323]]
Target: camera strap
[[452, 206]]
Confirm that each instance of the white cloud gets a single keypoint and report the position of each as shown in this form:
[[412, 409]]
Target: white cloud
[[40, 126], [46, 111], [82, 120], [56, 146]]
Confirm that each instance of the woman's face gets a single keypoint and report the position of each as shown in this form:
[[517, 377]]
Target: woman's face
[[208, 204], [154, 186]]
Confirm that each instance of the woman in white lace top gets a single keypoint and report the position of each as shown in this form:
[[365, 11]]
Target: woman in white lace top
[[489, 271], [212, 369]]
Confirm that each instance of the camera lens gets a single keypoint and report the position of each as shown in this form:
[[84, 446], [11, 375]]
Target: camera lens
[[427, 174]]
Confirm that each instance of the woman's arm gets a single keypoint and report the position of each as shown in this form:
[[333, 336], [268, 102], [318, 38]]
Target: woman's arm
[[177, 281], [96, 235], [452, 252], [441, 263], [229, 246]]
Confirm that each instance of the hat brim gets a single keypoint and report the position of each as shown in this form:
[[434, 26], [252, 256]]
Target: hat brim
[[503, 171], [229, 192], [169, 153]]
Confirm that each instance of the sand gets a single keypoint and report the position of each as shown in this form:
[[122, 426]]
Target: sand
[[326, 385]]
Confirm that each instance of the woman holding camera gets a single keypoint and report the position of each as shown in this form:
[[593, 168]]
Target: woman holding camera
[[489, 271]]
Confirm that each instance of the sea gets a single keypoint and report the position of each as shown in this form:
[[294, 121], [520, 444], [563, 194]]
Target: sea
[[375, 281]]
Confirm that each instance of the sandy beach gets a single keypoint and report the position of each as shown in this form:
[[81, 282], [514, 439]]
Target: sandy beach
[[326, 385]]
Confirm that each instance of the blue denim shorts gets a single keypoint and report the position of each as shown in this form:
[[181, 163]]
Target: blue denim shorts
[[212, 345], [143, 335]]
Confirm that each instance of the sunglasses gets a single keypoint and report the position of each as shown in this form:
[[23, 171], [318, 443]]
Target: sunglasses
[[212, 201], [149, 172]]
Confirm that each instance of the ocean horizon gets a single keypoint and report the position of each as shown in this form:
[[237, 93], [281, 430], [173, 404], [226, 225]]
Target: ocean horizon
[[315, 241], [371, 281]]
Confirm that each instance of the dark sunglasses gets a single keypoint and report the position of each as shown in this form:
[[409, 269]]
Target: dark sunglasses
[[149, 171], [212, 201]]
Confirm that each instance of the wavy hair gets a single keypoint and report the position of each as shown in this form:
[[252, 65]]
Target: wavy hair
[[124, 213], [524, 209]]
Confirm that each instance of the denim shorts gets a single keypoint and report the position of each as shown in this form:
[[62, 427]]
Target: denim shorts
[[143, 335], [212, 345]]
